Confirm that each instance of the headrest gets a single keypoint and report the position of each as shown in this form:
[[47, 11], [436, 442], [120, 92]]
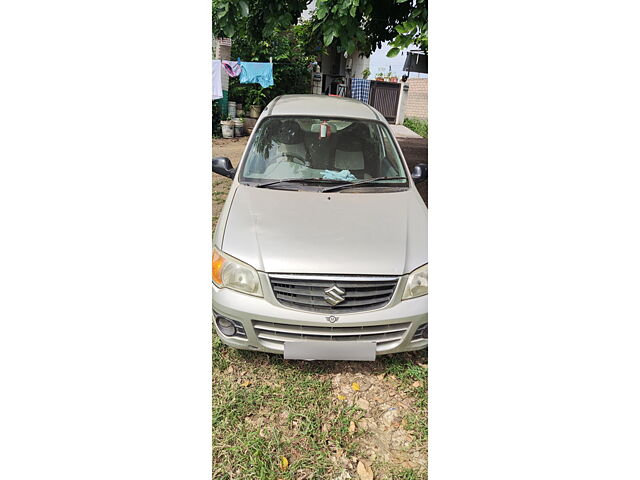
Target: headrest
[[354, 137], [290, 133]]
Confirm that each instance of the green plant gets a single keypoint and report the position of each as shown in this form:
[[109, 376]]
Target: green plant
[[256, 97], [380, 73], [216, 117], [349, 25], [365, 73], [291, 55], [417, 125]]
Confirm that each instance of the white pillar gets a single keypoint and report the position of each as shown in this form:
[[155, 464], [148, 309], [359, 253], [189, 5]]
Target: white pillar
[[402, 103]]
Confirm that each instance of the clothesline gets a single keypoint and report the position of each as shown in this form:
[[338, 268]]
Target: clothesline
[[249, 72]]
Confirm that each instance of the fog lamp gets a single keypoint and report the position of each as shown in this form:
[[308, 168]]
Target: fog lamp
[[225, 326]]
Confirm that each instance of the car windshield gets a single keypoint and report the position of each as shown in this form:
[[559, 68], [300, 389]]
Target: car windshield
[[324, 150]]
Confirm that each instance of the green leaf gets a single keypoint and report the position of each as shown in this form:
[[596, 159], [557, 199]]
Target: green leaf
[[402, 28], [244, 8], [321, 13], [229, 30], [352, 12], [328, 38], [393, 52]]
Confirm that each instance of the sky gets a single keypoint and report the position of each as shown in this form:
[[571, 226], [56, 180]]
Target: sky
[[379, 60]]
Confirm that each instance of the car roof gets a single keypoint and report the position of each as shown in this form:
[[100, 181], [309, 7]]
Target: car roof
[[321, 106]]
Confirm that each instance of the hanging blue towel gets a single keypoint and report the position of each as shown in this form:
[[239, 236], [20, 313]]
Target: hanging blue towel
[[256, 72]]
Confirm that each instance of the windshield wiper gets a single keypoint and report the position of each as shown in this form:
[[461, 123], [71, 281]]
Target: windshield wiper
[[293, 180], [360, 182]]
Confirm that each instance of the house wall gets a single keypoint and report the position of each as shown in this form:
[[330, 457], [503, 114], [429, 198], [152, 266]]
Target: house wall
[[222, 51], [417, 98], [334, 64], [358, 65]]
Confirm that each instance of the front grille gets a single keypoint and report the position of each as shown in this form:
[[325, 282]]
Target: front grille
[[308, 292], [273, 335]]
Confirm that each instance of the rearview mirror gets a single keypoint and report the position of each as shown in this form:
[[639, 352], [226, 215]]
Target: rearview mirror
[[222, 166], [419, 173]]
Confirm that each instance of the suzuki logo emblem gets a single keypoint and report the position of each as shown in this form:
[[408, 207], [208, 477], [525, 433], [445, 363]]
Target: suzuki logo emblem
[[334, 295]]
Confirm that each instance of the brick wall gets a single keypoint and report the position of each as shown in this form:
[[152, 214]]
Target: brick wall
[[222, 51], [416, 106]]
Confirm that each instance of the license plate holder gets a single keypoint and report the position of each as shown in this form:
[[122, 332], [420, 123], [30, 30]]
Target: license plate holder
[[330, 350]]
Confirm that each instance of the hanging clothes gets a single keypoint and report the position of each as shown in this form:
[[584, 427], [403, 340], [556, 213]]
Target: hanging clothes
[[257, 72], [233, 69], [360, 89], [216, 91]]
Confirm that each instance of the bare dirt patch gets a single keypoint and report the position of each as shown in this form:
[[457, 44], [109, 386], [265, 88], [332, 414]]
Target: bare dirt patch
[[231, 148]]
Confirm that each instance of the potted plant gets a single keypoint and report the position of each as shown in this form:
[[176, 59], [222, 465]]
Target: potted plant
[[227, 127], [255, 99], [365, 73], [380, 75]]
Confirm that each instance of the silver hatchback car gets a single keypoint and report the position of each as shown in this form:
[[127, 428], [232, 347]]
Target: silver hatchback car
[[320, 252]]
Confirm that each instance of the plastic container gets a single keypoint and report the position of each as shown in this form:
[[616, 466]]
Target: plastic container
[[238, 127], [254, 111], [227, 129], [231, 109]]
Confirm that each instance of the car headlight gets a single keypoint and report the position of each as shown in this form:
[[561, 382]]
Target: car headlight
[[416, 283], [229, 272]]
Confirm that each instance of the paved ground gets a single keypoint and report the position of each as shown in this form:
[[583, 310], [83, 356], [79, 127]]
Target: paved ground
[[400, 131]]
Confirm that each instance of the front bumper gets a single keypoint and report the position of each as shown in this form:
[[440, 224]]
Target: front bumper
[[266, 325]]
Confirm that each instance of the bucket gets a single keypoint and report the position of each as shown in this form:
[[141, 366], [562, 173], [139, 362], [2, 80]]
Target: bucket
[[254, 111], [227, 129], [231, 109], [238, 127]]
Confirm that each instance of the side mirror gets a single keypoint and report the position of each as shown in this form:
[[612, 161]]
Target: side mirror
[[419, 173], [222, 166]]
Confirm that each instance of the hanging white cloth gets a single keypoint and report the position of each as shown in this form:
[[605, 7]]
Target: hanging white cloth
[[216, 67]]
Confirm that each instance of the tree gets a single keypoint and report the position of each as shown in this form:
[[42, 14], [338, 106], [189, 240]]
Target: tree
[[291, 54], [350, 25]]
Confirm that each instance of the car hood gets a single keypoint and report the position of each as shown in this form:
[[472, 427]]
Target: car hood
[[280, 231]]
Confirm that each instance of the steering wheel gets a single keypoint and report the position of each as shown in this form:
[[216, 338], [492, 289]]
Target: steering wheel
[[293, 156]]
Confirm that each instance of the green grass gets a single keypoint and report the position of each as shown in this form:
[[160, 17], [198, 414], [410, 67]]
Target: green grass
[[267, 409], [421, 127], [405, 368], [408, 474]]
